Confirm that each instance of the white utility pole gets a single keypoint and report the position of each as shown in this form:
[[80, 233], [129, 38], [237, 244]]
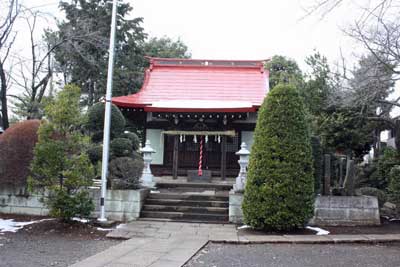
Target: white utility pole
[[107, 116]]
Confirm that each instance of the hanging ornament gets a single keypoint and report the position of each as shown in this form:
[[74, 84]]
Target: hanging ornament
[[184, 138], [195, 138], [206, 139], [200, 171], [215, 138], [181, 138], [219, 139]]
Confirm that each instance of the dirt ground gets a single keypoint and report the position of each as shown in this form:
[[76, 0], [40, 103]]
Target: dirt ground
[[50, 243], [386, 227]]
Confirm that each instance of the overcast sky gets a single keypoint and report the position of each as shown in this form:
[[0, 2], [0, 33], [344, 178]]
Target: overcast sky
[[237, 29], [252, 29]]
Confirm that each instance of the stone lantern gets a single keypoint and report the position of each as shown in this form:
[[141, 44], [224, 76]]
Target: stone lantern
[[147, 176], [243, 161]]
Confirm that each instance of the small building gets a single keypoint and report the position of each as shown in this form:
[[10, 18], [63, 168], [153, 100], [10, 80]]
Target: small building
[[196, 113]]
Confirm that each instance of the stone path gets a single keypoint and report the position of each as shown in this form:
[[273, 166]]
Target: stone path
[[172, 244]]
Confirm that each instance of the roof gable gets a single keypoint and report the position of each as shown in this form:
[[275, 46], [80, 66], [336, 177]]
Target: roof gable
[[200, 85]]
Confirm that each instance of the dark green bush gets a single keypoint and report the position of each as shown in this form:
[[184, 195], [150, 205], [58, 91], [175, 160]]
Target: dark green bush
[[125, 173], [95, 153], [64, 205], [121, 147], [371, 191], [377, 174], [279, 193], [394, 185], [133, 138], [95, 121]]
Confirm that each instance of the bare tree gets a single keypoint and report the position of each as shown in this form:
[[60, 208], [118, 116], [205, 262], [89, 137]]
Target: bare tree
[[35, 73], [7, 38], [378, 30]]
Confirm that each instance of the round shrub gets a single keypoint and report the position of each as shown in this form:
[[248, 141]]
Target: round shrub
[[279, 192], [121, 147], [394, 185], [95, 153], [124, 173], [95, 121], [375, 192], [133, 138], [16, 145]]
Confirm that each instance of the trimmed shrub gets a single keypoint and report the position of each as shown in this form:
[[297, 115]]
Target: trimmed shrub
[[121, 147], [394, 185], [133, 138], [16, 152], [95, 153], [125, 173], [279, 192], [375, 192], [95, 121]]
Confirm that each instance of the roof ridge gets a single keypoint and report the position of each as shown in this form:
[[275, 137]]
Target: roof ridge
[[206, 62]]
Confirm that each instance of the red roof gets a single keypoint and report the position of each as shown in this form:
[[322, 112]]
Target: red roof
[[189, 85]]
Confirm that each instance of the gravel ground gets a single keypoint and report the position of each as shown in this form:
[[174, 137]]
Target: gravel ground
[[288, 255], [51, 243]]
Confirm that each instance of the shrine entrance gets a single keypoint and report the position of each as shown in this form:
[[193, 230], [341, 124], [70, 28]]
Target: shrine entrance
[[183, 150]]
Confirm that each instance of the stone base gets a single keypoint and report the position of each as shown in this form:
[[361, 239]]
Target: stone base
[[120, 205], [193, 176], [345, 211], [235, 207], [19, 201]]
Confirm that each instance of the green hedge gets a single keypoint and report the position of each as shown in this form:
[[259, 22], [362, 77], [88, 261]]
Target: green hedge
[[279, 192], [133, 138], [95, 121], [121, 147]]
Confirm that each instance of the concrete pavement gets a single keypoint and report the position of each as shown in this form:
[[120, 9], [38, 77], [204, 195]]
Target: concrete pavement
[[154, 243]]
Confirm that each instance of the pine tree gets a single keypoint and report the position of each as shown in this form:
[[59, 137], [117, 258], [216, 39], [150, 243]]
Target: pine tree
[[60, 165]]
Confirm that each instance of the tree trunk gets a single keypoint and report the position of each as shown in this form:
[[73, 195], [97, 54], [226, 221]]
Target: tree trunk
[[90, 93], [3, 97], [397, 134]]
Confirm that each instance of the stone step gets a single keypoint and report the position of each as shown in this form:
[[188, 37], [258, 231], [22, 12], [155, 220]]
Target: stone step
[[186, 209], [181, 220], [185, 216], [189, 196], [192, 203], [189, 185]]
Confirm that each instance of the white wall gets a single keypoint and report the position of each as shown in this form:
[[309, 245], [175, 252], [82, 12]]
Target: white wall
[[247, 137], [157, 143]]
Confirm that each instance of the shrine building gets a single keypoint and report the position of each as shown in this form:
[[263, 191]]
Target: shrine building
[[196, 113]]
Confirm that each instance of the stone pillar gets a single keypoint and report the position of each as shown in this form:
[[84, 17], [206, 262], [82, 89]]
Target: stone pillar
[[327, 175], [243, 161], [147, 176]]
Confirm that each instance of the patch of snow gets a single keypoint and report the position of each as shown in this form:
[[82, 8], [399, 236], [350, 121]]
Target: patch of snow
[[394, 220], [318, 230], [12, 226], [80, 220], [244, 227], [104, 229], [154, 192], [120, 225]]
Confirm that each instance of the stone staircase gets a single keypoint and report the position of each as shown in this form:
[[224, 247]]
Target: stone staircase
[[188, 202]]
